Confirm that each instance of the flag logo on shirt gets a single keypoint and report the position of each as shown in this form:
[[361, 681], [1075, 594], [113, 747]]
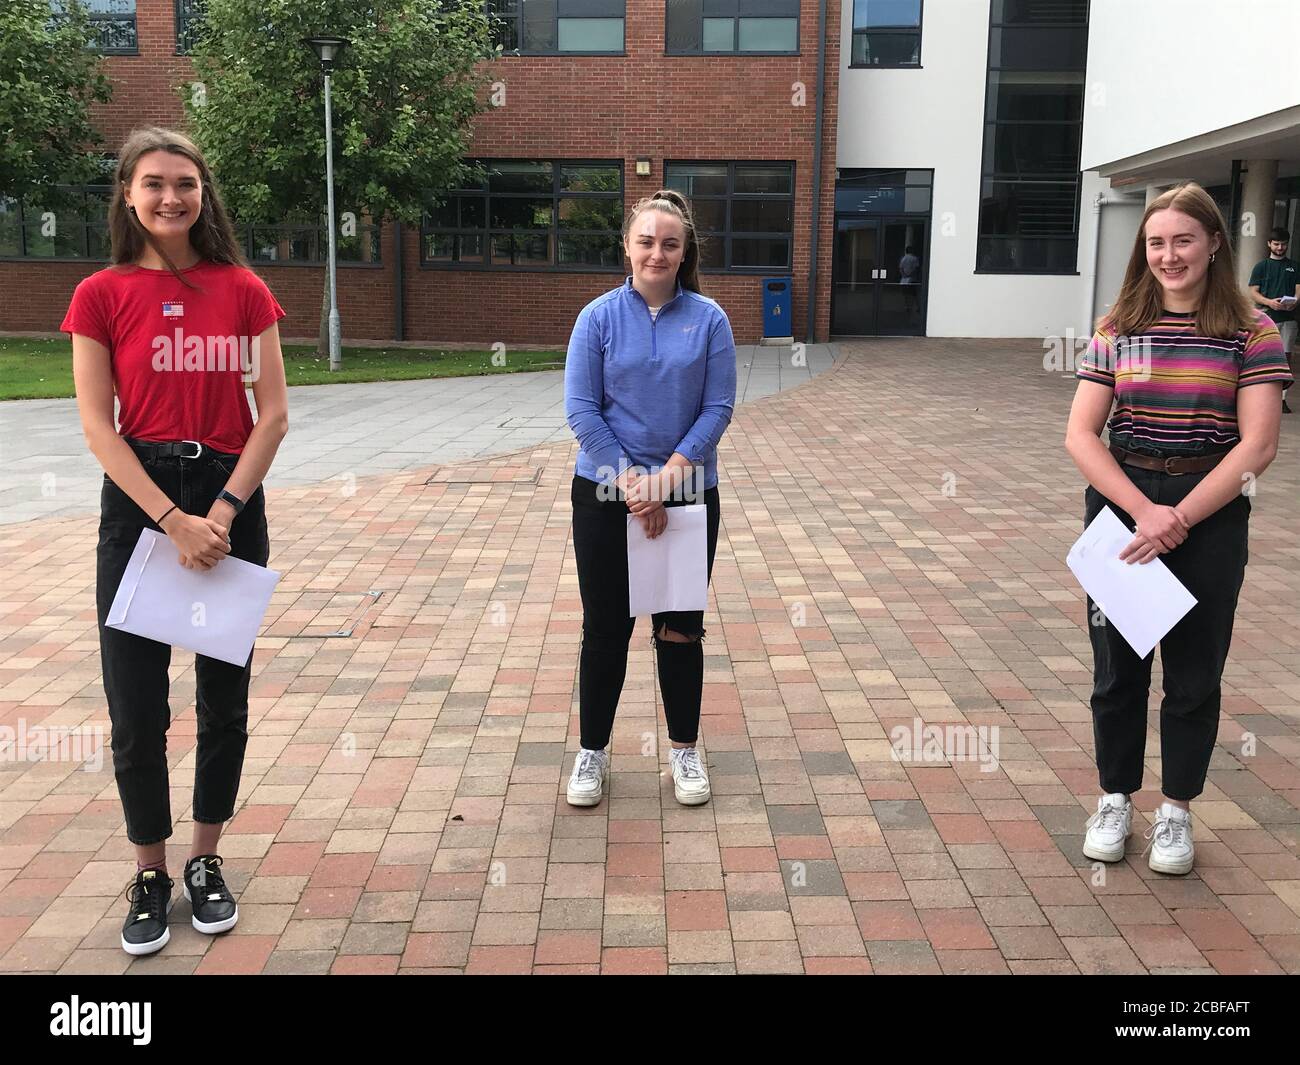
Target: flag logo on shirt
[[173, 310]]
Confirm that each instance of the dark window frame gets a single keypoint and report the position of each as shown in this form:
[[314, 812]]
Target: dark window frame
[[189, 15], [244, 231], [989, 146], [100, 21], [517, 19], [80, 223], [728, 233], [796, 14], [896, 31], [487, 232]]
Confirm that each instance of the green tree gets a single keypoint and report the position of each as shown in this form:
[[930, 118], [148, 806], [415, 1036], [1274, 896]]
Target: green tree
[[48, 80], [404, 95]]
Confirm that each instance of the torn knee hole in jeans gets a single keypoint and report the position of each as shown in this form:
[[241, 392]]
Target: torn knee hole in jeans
[[690, 637]]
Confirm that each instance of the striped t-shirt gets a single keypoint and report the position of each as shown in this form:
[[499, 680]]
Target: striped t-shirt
[[1176, 391]]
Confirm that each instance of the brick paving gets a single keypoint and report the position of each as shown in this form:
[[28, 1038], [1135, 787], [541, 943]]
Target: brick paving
[[892, 549]]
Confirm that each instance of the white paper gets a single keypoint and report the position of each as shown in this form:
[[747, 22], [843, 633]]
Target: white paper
[[1142, 600], [214, 612], [1287, 302], [670, 572]]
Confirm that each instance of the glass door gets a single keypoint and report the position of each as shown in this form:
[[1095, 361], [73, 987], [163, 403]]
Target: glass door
[[901, 290], [856, 273]]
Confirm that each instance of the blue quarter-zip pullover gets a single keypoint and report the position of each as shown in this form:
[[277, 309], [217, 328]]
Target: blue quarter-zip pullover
[[637, 388]]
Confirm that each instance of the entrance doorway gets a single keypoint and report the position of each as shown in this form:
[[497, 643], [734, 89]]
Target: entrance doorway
[[880, 273]]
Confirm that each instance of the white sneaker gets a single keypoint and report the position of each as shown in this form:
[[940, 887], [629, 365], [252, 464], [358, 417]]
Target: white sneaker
[[1171, 841], [1109, 828], [690, 782], [587, 781]]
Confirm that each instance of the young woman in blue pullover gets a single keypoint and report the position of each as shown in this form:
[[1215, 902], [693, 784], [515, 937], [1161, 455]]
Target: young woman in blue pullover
[[649, 387]]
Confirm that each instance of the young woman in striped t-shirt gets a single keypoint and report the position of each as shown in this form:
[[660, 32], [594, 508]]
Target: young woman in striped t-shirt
[[1194, 375]]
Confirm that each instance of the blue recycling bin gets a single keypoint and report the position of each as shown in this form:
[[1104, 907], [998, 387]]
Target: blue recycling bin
[[778, 303]]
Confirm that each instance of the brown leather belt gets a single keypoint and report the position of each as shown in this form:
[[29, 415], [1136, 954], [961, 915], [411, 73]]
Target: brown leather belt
[[1175, 464]]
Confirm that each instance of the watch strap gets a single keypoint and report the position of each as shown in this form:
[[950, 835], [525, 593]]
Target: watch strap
[[233, 500]]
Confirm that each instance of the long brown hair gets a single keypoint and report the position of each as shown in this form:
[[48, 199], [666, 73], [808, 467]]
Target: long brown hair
[[212, 235], [1224, 309], [674, 203]]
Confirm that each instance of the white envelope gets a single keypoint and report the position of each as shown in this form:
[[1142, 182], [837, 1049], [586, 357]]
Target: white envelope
[[670, 572], [214, 612], [1142, 600]]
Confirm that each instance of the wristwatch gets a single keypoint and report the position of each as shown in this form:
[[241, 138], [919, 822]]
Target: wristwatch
[[233, 500]]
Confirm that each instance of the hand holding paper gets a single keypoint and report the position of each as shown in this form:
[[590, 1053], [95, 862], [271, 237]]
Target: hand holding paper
[[671, 571], [214, 612], [1143, 601]]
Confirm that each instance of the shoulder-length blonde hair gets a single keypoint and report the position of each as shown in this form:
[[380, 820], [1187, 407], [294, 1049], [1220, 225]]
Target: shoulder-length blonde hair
[[1224, 308], [212, 235], [674, 203]]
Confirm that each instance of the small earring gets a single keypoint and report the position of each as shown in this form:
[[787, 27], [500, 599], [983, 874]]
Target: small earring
[[1211, 258]]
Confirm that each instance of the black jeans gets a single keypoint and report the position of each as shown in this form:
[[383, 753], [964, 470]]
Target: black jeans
[[600, 549], [135, 669], [1211, 563]]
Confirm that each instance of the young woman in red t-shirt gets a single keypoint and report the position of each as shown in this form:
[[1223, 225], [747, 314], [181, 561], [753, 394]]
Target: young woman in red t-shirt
[[173, 327]]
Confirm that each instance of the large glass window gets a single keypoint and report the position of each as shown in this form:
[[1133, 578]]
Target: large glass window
[[74, 230], [1033, 122], [744, 212], [189, 23], [111, 21], [546, 27], [886, 33], [530, 213], [702, 27]]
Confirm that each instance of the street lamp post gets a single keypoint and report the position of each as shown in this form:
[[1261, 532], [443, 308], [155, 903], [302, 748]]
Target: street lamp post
[[327, 50]]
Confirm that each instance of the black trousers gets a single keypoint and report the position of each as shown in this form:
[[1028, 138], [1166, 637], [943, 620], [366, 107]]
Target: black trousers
[[135, 669], [1211, 563], [600, 549]]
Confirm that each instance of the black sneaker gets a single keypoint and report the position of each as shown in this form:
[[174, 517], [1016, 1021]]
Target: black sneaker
[[145, 929], [214, 906]]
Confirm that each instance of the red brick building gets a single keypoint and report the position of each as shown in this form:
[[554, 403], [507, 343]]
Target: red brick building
[[718, 96]]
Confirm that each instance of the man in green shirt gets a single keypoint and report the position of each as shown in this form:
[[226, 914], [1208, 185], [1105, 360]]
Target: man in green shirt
[[1275, 286]]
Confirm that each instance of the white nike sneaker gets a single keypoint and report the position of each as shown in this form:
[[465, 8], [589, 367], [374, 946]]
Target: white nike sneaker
[[1109, 828], [587, 781], [1171, 841], [690, 782]]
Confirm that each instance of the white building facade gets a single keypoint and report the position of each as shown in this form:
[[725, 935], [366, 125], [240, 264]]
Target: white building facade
[[1012, 145]]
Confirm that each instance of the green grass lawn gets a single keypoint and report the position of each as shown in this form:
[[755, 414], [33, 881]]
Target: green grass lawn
[[42, 369]]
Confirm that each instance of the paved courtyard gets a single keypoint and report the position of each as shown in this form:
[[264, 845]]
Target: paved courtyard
[[892, 551]]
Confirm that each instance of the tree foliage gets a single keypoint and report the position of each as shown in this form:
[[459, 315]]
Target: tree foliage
[[49, 78]]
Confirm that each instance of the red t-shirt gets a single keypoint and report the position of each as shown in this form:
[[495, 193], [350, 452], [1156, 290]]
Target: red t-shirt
[[179, 354]]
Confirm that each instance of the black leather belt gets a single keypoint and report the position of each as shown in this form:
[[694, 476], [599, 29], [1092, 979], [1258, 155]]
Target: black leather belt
[[1174, 464], [179, 449]]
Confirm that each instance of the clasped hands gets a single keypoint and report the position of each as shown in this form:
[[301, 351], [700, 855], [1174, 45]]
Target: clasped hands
[[1159, 530], [201, 542], [645, 494]]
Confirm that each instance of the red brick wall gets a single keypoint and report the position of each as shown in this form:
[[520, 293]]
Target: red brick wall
[[641, 104]]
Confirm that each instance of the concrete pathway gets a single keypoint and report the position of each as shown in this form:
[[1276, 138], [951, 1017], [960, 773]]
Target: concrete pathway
[[342, 432]]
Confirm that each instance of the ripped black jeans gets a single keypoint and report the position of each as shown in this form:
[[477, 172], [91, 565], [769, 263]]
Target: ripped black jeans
[[600, 549]]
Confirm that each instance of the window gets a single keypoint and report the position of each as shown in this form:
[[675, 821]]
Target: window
[[543, 214], [549, 27], [744, 212], [883, 191], [886, 33], [306, 243], [114, 23], [707, 27], [75, 231], [1033, 125], [189, 23]]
